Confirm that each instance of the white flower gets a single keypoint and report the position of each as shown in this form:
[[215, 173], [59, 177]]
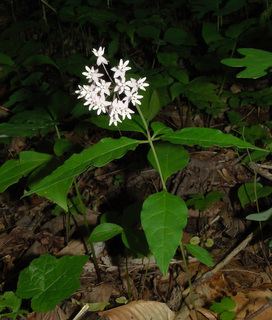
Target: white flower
[[124, 93], [121, 85], [91, 100], [125, 111], [121, 69], [101, 105], [92, 74], [102, 87], [132, 83], [115, 111], [142, 84], [135, 85], [100, 56], [85, 91], [133, 97]]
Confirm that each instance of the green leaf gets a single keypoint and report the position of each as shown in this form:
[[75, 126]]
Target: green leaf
[[227, 315], [149, 32], [105, 231], [47, 280], [210, 33], [179, 74], [133, 125], [200, 253], [6, 60], [249, 192], [11, 301], [226, 304], [202, 93], [61, 146], [261, 216], [176, 90], [206, 137], [56, 185], [163, 218], [153, 101], [39, 59], [201, 202], [73, 64], [200, 7], [172, 158], [178, 36], [168, 59], [27, 124], [18, 96], [160, 128], [13, 170], [235, 30], [232, 6], [256, 63]]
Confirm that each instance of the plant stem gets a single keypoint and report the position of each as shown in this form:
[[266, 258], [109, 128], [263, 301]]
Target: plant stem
[[150, 141], [81, 209], [186, 269]]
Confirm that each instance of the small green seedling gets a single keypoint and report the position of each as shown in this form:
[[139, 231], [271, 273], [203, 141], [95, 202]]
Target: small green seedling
[[10, 306], [224, 308]]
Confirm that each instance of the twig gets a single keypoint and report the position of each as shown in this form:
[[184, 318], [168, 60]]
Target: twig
[[184, 312], [259, 311]]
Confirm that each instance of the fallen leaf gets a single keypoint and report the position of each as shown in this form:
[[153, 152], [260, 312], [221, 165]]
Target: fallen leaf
[[140, 310]]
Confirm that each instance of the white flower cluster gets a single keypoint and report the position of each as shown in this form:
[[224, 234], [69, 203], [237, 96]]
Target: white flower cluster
[[113, 97]]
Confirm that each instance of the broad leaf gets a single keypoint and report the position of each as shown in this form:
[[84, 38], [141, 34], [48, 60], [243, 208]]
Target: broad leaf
[[163, 218], [61, 146], [206, 137], [200, 253], [149, 32], [261, 216], [160, 128], [179, 74], [27, 124], [250, 192], [172, 158], [153, 101], [202, 93], [178, 36], [6, 60], [56, 185], [105, 231], [39, 59], [168, 59], [235, 30], [13, 170], [47, 280], [210, 33], [256, 63]]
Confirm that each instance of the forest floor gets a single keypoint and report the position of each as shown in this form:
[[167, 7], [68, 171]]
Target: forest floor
[[30, 227]]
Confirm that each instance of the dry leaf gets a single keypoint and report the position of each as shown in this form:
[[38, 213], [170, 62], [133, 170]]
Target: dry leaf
[[140, 310], [56, 314]]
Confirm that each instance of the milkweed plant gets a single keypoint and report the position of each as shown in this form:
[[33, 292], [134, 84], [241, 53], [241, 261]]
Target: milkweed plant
[[127, 104], [163, 215]]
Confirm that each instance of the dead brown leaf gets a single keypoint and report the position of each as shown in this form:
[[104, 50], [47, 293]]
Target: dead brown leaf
[[56, 314], [140, 310]]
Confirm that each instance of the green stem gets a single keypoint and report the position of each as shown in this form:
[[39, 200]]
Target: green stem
[[150, 141], [57, 132]]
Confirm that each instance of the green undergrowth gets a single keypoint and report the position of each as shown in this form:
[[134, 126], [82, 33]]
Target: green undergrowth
[[211, 59]]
